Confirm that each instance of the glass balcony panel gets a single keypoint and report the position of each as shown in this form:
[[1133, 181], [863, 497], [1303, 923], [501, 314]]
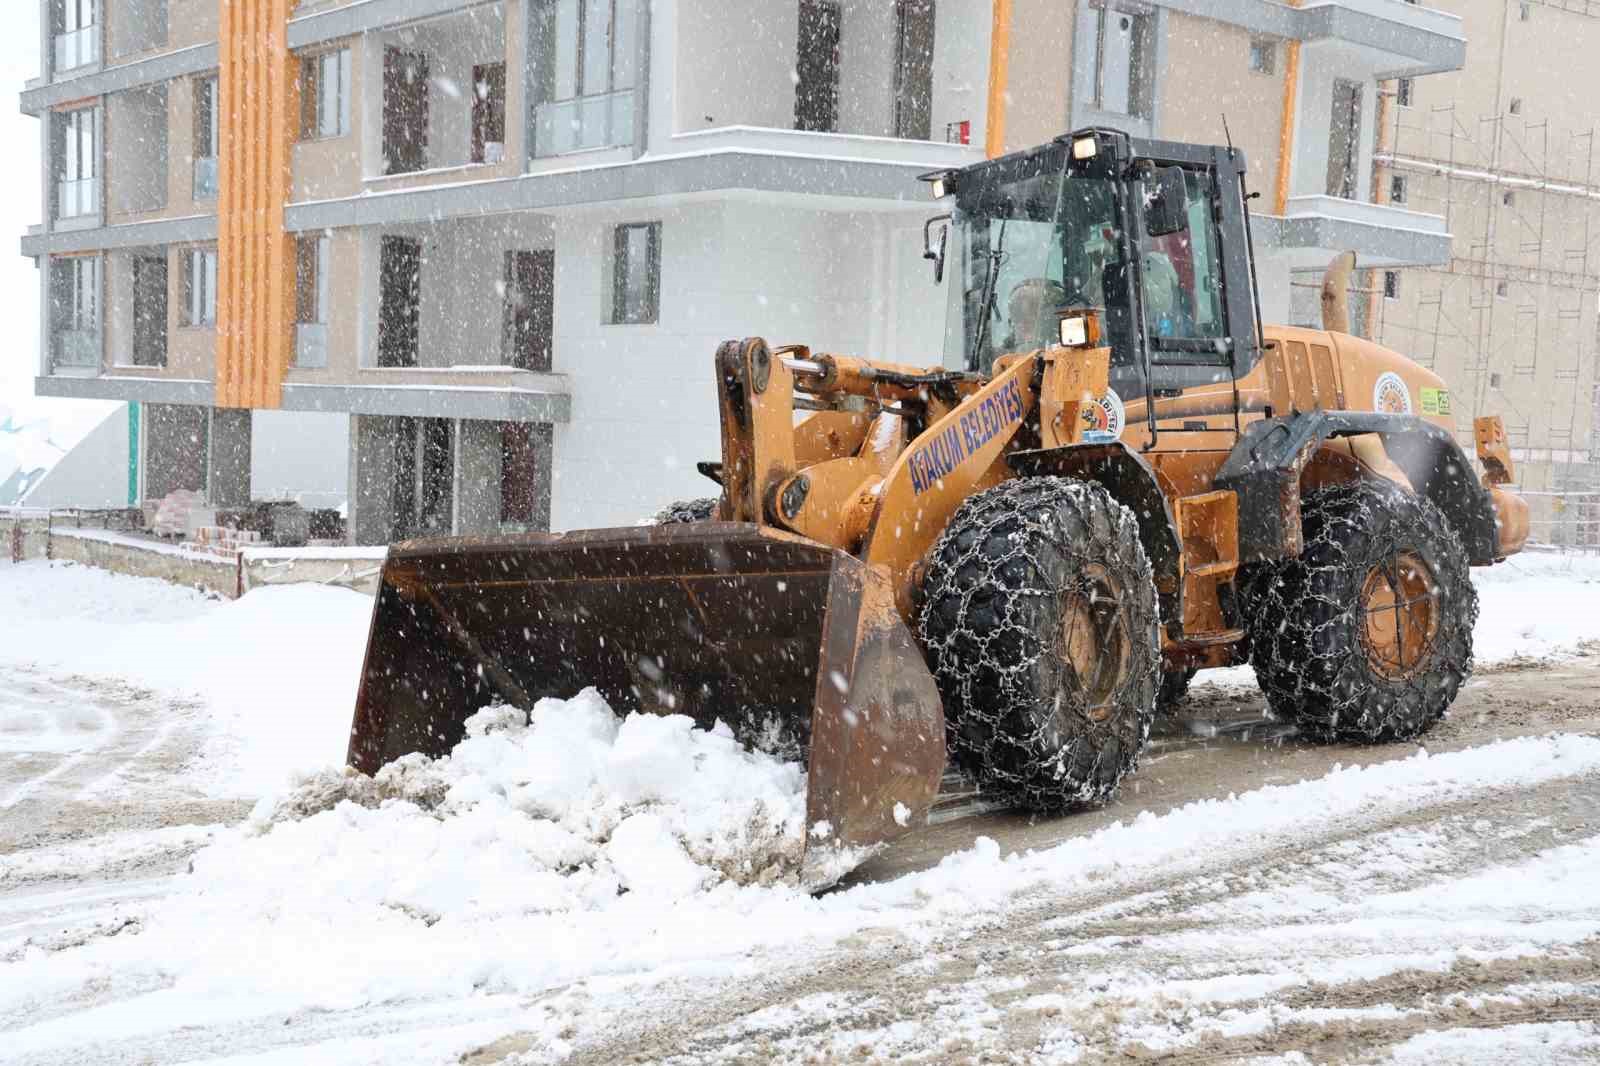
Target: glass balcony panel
[[75, 199], [205, 178], [78, 48], [78, 348], [604, 120], [311, 345]]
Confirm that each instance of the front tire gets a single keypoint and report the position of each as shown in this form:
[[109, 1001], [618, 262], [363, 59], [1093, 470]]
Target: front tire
[[1038, 618], [1367, 636]]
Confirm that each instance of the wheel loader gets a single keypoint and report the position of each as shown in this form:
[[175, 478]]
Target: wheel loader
[[1114, 477]]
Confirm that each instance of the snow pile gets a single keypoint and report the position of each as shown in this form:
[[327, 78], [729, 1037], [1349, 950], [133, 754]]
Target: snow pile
[[562, 809]]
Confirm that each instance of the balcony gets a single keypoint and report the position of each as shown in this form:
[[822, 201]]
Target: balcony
[[77, 48], [205, 178], [604, 120], [78, 199], [310, 346], [1395, 38], [77, 349], [1314, 229]]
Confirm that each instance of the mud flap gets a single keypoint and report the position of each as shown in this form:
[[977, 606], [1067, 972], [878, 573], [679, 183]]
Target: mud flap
[[796, 646]]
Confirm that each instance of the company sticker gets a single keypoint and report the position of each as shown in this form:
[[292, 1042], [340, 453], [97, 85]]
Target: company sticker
[[1390, 394], [1435, 401], [1109, 417], [987, 419]]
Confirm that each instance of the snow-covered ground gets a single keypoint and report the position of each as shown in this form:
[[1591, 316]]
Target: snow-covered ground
[[592, 905]]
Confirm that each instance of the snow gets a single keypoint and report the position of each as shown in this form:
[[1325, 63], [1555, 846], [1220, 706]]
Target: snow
[[580, 847], [1536, 605], [277, 669]]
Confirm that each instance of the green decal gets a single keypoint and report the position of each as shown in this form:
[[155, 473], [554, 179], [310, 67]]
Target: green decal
[[133, 455], [1435, 401]]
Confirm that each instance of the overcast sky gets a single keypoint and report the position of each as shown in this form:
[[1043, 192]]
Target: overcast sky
[[19, 209]]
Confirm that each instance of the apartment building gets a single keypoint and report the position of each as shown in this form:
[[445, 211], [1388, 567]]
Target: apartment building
[[503, 237], [1505, 149]]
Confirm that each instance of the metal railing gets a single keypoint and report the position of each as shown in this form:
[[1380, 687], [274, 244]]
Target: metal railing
[[311, 345], [77, 348], [75, 199], [604, 120], [205, 178], [1566, 520], [77, 48]]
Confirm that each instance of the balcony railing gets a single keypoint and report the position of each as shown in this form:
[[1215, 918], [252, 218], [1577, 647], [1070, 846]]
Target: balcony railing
[[205, 178], [311, 345], [78, 48], [78, 348], [601, 121], [75, 199]]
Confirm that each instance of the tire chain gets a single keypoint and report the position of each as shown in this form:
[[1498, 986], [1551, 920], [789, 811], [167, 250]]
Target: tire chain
[[986, 605], [1306, 642]]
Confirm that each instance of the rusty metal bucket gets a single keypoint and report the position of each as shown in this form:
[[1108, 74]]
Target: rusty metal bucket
[[796, 646]]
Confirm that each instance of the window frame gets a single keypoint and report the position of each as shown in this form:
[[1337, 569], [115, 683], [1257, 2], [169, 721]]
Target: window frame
[[1264, 56], [313, 91], [200, 305], [75, 156], [619, 313], [1141, 60], [76, 302], [1391, 284], [548, 54]]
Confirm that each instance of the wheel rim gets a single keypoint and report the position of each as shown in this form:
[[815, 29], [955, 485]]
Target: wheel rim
[[1400, 615], [1093, 640]]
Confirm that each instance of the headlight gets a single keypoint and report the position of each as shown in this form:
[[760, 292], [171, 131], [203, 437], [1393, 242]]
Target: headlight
[[1080, 329], [1085, 148]]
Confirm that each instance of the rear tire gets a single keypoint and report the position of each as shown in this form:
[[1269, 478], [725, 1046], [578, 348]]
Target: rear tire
[[701, 510], [1038, 618], [1367, 636]]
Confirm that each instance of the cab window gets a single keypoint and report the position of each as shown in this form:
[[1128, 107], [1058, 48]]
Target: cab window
[[1183, 298]]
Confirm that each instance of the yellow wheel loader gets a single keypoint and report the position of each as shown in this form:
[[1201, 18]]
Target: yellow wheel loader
[[1116, 476]]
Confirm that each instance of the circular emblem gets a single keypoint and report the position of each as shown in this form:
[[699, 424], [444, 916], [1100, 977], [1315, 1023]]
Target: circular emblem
[[1390, 394], [1110, 416]]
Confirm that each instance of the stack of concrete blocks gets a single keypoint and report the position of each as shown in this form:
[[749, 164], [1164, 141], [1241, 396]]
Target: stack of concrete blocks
[[223, 541]]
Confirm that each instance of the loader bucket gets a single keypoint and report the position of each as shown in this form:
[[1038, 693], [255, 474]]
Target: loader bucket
[[796, 646]]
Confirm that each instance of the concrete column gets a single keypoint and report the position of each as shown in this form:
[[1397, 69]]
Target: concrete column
[[371, 479], [477, 477], [228, 480]]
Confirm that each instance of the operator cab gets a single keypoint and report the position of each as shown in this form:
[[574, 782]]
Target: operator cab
[[1151, 234]]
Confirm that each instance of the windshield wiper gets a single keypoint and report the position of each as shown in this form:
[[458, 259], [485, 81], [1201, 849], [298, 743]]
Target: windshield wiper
[[990, 283]]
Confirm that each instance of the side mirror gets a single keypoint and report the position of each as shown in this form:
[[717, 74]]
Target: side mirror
[[933, 247], [1166, 208]]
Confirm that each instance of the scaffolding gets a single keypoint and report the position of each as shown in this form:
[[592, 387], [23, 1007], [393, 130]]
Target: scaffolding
[[1513, 319]]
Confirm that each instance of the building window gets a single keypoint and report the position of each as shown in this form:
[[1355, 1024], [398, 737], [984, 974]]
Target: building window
[[200, 287], [1516, 105], [1502, 289], [77, 33], [1494, 381], [311, 300], [150, 310], [528, 314], [913, 69], [816, 66], [205, 138], [1263, 55], [489, 113], [1525, 13], [1402, 91], [1391, 284], [586, 64], [1123, 79], [75, 311], [325, 95], [636, 274], [1397, 189], [77, 159], [1508, 198], [525, 476], [405, 111], [399, 301], [1344, 140]]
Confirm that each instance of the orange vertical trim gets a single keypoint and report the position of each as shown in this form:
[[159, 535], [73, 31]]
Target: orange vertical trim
[[1291, 91], [257, 99], [994, 131]]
